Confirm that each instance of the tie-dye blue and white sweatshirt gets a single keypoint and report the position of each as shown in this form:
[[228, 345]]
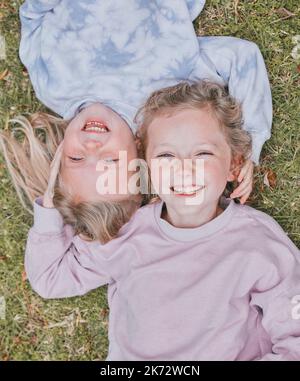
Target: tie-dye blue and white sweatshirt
[[117, 52]]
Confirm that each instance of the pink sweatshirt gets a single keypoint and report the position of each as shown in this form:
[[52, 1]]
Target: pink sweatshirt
[[228, 290]]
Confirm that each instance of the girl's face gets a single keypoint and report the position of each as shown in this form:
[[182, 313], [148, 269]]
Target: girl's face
[[92, 143], [188, 134]]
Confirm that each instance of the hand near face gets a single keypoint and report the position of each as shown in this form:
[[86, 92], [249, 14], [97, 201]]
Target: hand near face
[[54, 170], [245, 178]]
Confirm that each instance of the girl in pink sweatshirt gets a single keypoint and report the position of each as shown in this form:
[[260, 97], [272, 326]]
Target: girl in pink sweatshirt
[[192, 275]]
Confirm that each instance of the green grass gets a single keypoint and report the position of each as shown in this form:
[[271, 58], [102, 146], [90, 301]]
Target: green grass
[[77, 328]]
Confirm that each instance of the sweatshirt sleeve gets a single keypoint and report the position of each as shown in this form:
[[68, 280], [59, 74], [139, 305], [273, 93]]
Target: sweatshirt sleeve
[[32, 14], [195, 7], [33, 49], [58, 263], [241, 65], [278, 296]]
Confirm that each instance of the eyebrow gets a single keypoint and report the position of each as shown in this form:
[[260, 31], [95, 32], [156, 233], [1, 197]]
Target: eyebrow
[[73, 165], [79, 165], [195, 146]]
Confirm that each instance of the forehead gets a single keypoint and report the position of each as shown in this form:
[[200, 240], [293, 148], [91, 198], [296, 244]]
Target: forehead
[[186, 125], [81, 183]]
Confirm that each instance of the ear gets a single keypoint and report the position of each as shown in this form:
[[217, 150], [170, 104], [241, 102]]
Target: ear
[[235, 167]]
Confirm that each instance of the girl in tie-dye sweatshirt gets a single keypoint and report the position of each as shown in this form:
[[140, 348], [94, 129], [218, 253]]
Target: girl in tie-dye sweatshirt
[[94, 62]]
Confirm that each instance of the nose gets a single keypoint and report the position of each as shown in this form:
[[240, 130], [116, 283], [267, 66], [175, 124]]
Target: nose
[[91, 144], [184, 173]]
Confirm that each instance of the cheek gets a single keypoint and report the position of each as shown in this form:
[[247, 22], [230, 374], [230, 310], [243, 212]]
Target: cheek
[[122, 175], [70, 140], [132, 152], [155, 180], [162, 176], [215, 172], [127, 176], [67, 136], [125, 145]]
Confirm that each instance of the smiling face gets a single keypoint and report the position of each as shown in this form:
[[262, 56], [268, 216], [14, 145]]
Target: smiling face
[[91, 147], [189, 134]]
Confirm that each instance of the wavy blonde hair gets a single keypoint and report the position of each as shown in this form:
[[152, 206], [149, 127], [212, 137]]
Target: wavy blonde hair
[[197, 95], [28, 149]]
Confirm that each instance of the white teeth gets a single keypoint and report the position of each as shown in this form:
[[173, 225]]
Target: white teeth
[[187, 190], [96, 129], [94, 123], [95, 126]]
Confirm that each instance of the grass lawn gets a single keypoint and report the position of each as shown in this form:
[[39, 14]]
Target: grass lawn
[[76, 328]]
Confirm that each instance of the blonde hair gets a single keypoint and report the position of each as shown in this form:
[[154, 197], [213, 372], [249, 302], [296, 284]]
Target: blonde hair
[[28, 150], [196, 95]]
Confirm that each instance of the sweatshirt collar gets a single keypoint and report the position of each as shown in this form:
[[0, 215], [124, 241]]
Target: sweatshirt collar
[[201, 232], [126, 111]]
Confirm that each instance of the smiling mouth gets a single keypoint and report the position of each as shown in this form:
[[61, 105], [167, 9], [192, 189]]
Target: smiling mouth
[[187, 191], [95, 127]]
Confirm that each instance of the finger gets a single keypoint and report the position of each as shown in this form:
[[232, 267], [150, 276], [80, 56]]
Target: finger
[[242, 173], [244, 198], [48, 201], [246, 170], [245, 186], [57, 155], [55, 164], [54, 170], [248, 178]]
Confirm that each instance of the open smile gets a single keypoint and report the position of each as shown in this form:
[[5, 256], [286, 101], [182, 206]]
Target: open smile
[[187, 191], [95, 127]]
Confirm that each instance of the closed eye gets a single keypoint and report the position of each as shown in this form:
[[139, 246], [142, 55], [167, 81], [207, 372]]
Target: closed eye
[[165, 155], [204, 153], [111, 160], [75, 159]]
